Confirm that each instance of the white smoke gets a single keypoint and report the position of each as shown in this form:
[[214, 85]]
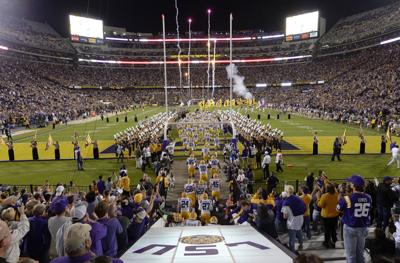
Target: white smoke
[[238, 82]]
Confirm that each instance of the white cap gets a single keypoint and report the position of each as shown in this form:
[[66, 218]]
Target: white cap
[[59, 190]]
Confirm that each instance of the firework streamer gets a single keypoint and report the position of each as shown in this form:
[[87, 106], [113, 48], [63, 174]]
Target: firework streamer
[[178, 43], [213, 71], [188, 77], [208, 49]]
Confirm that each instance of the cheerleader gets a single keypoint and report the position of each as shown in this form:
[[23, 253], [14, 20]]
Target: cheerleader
[[56, 150], [10, 146], [362, 143], [95, 150], [35, 154], [315, 144]]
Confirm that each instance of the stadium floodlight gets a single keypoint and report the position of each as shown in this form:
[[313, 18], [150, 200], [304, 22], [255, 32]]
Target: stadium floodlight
[[209, 11], [286, 84], [390, 41], [172, 62], [272, 36], [3, 47], [117, 38], [261, 85], [150, 40]]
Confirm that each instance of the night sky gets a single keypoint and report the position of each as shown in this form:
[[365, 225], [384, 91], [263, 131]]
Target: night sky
[[145, 15]]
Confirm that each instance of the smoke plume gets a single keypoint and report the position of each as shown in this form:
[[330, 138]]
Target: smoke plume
[[238, 82]]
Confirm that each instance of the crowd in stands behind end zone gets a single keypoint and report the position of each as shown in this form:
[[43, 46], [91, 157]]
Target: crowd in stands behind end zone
[[359, 87]]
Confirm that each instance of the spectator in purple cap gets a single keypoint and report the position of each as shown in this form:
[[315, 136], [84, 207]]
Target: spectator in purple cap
[[77, 244], [385, 198], [59, 208], [79, 215], [356, 210]]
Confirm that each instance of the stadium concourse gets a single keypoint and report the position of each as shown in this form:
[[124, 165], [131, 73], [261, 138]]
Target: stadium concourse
[[202, 146]]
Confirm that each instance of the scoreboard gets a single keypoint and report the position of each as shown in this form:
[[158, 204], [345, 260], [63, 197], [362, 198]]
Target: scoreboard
[[302, 27], [86, 30]]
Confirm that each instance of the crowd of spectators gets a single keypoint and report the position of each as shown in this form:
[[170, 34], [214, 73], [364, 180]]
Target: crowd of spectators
[[32, 33], [363, 25]]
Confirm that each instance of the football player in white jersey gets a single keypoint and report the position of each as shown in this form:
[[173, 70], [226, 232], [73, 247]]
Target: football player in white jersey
[[203, 170], [205, 207], [191, 163], [184, 205], [215, 185], [214, 163], [189, 189]]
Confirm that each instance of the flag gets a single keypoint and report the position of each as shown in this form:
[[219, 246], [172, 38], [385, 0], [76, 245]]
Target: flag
[[388, 135], [34, 137], [361, 131], [344, 139], [88, 140], [2, 141], [49, 142]]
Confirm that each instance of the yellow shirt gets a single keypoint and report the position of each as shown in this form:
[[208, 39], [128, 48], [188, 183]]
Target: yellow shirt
[[328, 202], [256, 199], [307, 200], [125, 182]]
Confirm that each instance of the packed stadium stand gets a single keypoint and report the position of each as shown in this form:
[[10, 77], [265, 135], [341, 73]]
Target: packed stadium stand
[[355, 76]]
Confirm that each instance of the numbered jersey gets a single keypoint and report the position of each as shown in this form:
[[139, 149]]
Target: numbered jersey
[[188, 188], [215, 184], [214, 163], [205, 206], [184, 204], [356, 209], [203, 168], [201, 189], [205, 151], [191, 161]]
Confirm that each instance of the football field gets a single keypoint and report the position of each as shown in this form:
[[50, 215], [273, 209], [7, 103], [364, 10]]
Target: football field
[[298, 134]]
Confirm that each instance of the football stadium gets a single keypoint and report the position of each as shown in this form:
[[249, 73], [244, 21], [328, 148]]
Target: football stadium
[[209, 131]]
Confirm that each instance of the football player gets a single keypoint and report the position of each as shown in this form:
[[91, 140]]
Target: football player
[[191, 163], [203, 171], [205, 206], [189, 189], [184, 205]]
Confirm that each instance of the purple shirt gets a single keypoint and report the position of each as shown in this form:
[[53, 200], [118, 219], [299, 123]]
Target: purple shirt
[[357, 213], [110, 245], [296, 205], [97, 233], [80, 259], [101, 186]]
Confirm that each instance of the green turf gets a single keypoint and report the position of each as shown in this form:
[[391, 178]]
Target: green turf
[[64, 171], [36, 173], [301, 126], [100, 130]]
